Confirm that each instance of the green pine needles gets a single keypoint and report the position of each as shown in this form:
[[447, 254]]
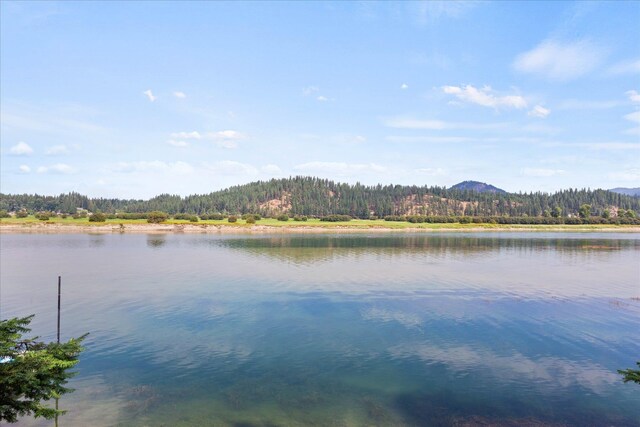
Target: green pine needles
[[32, 372]]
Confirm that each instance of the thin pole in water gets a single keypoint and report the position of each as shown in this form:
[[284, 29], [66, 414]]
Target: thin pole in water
[[59, 289], [59, 284]]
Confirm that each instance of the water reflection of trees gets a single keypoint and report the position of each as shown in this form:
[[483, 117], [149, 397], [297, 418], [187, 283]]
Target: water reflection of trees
[[324, 248], [156, 240]]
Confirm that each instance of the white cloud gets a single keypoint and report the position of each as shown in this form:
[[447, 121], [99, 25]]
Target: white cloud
[[231, 167], [428, 124], [57, 149], [429, 139], [24, 169], [633, 95], [314, 90], [21, 149], [186, 135], [177, 143], [310, 90], [226, 138], [542, 172], [577, 104], [626, 175], [626, 67], [485, 97], [271, 169], [560, 60], [226, 134], [150, 95], [68, 119], [431, 171], [557, 373], [604, 146], [540, 128], [633, 117], [179, 94], [156, 166], [339, 168], [408, 123], [404, 86], [223, 138], [430, 11], [539, 111], [58, 168]]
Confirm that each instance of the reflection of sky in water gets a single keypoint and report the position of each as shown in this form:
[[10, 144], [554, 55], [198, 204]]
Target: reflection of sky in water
[[350, 330]]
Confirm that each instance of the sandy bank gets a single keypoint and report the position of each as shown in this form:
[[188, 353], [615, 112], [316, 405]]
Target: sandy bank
[[259, 229]]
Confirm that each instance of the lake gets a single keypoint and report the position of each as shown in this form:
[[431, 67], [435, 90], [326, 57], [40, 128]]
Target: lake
[[337, 330]]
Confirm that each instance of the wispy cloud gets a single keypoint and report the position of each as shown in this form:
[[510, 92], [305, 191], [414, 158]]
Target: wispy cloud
[[626, 175], [539, 111], [431, 171], [231, 167], [21, 149], [24, 169], [69, 119], [226, 138], [430, 11], [223, 138], [485, 97], [271, 170], [57, 150], [430, 124], [561, 61], [179, 94], [404, 86], [597, 146], [339, 168], [633, 117], [625, 67], [58, 168], [578, 104], [633, 95], [315, 91], [150, 95], [428, 139], [186, 135], [177, 143], [538, 172], [156, 166], [310, 90]]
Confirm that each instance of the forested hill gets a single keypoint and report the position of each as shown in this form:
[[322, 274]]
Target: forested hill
[[628, 191], [479, 187], [320, 197]]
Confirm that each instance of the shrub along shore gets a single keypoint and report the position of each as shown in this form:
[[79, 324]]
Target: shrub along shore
[[254, 222]]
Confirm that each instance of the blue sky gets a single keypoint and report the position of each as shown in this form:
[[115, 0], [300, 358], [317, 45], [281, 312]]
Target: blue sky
[[126, 99]]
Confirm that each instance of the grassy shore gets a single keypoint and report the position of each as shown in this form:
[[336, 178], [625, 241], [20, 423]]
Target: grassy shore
[[268, 224]]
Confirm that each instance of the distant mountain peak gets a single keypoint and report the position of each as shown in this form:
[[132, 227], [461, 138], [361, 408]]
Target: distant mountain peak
[[635, 192], [479, 187]]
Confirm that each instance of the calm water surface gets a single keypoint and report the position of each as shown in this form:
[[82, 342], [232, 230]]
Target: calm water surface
[[344, 330]]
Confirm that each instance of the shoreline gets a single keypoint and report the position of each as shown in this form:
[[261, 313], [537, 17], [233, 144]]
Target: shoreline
[[290, 229]]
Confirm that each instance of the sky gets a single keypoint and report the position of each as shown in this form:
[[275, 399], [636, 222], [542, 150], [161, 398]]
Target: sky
[[131, 100]]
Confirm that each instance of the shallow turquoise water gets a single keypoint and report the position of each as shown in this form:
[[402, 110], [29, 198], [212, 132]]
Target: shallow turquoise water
[[384, 329]]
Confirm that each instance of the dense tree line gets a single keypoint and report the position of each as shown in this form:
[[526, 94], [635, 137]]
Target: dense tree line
[[315, 197]]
